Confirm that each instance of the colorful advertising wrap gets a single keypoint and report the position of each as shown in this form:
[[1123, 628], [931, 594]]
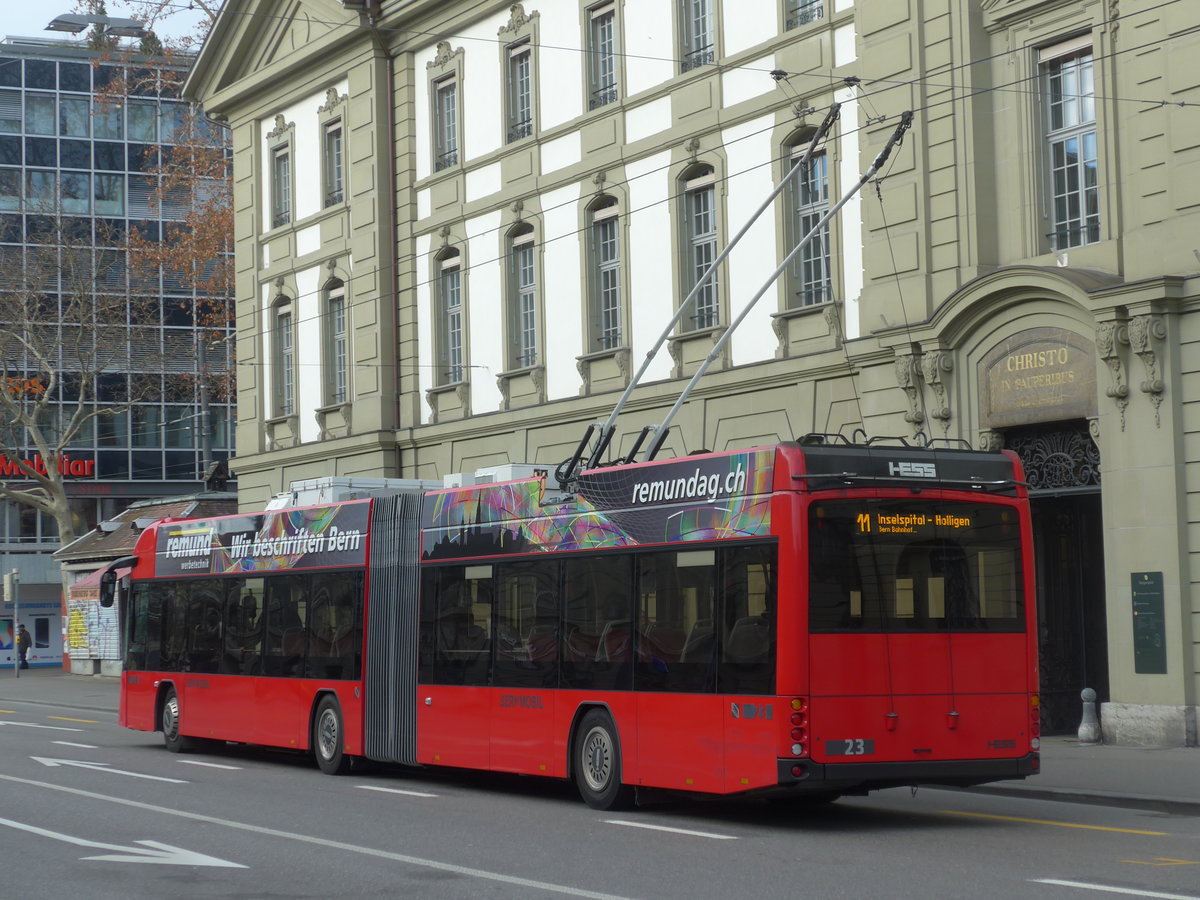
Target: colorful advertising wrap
[[717, 497], [317, 537]]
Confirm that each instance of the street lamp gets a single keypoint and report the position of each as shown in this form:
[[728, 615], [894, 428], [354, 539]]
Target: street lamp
[[114, 25]]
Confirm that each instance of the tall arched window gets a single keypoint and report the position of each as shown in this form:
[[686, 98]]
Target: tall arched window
[[450, 362], [809, 280], [604, 287], [284, 357], [523, 299], [337, 345], [699, 216]]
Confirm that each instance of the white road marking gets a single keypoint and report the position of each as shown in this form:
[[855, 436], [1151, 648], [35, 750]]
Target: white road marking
[[687, 831], [101, 767], [162, 854], [1110, 889], [371, 787], [434, 864], [73, 744], [47, 727], [197, 762]]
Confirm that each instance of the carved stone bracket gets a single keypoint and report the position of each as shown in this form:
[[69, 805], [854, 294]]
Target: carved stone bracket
[[334, 421], [934, 365], [833, 320], [281, 127], [444, 55], [598, 367], [675, 348], [523, 380], [502, 382], [332, 100], [1143, 332], [518, 18], [461, 393], [991, 440], [1109, 337], [908, 378], [779, 325]]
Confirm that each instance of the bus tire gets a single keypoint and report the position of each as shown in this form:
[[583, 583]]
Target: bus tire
[[597, 763], [172, 739], [329, 738]]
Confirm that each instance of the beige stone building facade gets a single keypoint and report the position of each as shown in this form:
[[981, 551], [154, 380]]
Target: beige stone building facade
[[461, 226]]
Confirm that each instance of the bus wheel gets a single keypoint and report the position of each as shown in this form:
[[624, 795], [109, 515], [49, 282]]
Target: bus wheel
[[172, 739], [598, 763], [328, 740]]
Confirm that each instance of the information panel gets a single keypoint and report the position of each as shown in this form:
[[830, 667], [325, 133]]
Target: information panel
[[1149, 624]]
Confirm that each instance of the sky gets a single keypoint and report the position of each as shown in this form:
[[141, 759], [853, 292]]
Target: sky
[[18, 17]]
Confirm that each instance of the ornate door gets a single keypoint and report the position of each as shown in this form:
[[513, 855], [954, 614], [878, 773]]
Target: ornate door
[[1062, 465]]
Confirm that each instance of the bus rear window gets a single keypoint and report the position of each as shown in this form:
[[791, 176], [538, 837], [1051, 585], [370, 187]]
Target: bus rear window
[[914, 566]]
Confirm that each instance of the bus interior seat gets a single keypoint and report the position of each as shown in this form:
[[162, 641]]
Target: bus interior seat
[[614, 643], [661, 642], [581, 646], [749, 640], [699, 643]]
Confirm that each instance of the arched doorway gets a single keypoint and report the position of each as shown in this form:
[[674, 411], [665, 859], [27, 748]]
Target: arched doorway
[[1062, 466]]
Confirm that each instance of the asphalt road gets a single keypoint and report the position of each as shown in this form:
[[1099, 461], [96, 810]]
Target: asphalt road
[[90, 810]]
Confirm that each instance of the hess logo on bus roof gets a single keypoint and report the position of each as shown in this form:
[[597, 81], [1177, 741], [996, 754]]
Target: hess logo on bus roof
[[912, 469]]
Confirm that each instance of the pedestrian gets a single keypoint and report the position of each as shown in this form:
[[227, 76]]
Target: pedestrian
[[23, 642]]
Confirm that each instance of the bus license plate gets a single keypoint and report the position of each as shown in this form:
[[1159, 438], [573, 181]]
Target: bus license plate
[[850, 747]]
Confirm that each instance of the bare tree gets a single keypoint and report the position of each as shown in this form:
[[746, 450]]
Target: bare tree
[[71, 361]]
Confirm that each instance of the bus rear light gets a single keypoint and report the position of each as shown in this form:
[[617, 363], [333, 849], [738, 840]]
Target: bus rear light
[[1035, 744], [797, 718], [797, 749], [798, 771], [799, 704], [799, 734]]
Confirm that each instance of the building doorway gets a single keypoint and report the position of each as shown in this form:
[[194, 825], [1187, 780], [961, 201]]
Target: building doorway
[[1062, 465]]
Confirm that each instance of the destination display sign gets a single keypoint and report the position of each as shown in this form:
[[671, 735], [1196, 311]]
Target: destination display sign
[[313, 537], [909, 522]]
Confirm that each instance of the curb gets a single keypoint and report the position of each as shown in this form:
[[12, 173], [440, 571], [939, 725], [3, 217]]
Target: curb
[[1148, 802]]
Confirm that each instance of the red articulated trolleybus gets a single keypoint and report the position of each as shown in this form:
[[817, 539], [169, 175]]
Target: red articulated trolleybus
[[812, 618]]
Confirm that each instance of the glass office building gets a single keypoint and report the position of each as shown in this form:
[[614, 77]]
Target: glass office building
[[73, 163]]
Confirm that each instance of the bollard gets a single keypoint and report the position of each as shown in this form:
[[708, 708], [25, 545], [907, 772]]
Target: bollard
[[1089, 728]]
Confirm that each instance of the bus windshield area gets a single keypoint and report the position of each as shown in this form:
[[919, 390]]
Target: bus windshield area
[[914, 565]]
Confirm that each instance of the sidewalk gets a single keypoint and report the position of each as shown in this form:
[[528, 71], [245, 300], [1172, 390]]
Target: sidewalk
[[1152, 778], [51, 686]]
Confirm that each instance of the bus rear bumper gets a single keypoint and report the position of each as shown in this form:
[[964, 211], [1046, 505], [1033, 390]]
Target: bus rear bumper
[[875, 775]]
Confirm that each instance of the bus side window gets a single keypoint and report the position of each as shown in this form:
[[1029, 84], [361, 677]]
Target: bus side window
[[243, 627], [748, 621], [174, 628], [204, 627], [456, 625], [335, 630], [525, 616], [598, 636], [676, 644], [286, 609], [137, 625]]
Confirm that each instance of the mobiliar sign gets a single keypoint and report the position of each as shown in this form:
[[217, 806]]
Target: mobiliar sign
[[79, 468]]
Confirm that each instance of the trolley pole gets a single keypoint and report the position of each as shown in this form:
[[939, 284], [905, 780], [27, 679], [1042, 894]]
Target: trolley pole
[[12, 581]]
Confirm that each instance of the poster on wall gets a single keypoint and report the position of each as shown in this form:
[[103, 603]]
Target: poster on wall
[[91, 630]]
